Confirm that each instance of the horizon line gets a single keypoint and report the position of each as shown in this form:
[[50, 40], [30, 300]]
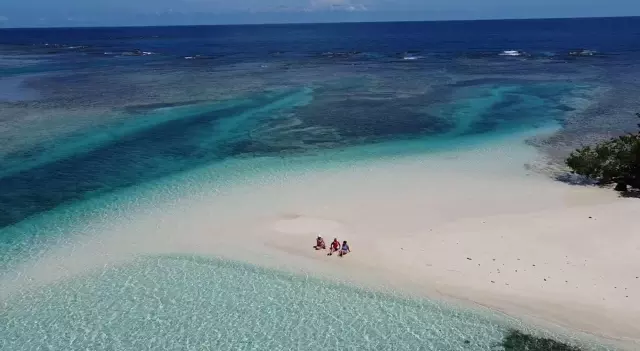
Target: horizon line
[[322, 22]]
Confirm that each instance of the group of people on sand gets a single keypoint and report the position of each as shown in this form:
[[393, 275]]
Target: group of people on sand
[[334, 247]]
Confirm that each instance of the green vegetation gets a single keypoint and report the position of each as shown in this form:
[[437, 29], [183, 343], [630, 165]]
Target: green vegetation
[[518, 341], [616, 161]]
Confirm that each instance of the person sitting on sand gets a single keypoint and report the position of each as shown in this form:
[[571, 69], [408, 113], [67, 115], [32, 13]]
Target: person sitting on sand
[[345, 249], [335, 246], [320, 245]]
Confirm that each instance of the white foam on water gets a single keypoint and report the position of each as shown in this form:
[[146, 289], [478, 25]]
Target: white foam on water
[[511, 53]]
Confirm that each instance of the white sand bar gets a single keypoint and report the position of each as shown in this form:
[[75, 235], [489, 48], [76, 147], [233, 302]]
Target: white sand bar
[[474, 226]]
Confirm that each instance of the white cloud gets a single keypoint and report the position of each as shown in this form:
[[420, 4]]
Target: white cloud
[[4, 18], [336, 5], [357, 7]]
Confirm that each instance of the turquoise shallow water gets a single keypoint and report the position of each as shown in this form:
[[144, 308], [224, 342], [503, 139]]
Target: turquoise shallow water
[[149, 142], [187, 303]]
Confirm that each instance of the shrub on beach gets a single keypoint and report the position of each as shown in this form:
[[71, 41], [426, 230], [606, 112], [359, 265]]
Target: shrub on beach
[[518, 341], [616, 161]]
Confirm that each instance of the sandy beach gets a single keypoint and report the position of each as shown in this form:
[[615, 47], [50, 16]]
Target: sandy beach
[[471, 226]]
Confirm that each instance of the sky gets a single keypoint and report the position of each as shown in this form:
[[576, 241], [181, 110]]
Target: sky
[[68, 13]]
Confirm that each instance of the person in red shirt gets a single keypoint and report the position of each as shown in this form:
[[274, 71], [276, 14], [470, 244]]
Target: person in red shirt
[[335, 246], [320, 245]]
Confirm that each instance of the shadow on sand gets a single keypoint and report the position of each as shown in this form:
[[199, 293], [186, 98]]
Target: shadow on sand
[[577, 180]]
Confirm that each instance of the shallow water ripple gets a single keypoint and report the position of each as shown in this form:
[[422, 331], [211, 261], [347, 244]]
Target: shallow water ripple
[[184, 303]]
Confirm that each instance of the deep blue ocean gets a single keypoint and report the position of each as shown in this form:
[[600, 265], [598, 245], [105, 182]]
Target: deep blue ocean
[[86, 112]]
